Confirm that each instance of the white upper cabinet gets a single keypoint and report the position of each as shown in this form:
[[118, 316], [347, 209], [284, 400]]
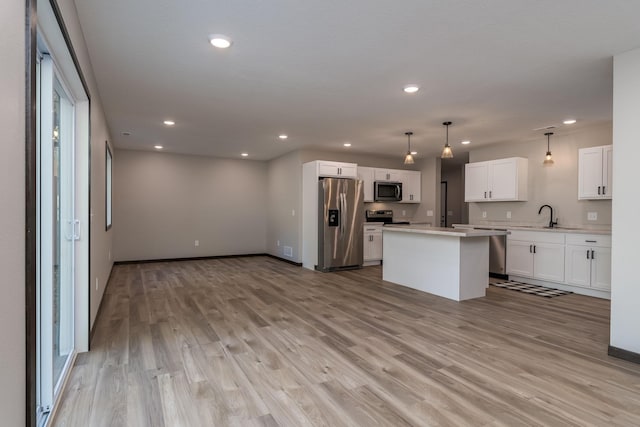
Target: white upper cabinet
[[337, 169], [367, 176], [496, 180], [392, 175], [411, 186], [594, 173]]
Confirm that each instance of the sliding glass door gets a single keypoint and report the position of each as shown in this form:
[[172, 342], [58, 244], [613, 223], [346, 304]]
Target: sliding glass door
[[57, 233]]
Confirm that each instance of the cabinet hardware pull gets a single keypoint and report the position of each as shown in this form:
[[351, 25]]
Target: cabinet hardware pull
[[591, 241], [593, 254], [603, 192], [534, 249], [587, 253], [530, 249], [490, 194], [485, 194], [598, 189]]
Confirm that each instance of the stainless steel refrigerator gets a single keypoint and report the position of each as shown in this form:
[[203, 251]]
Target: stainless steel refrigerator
[[340, 222]]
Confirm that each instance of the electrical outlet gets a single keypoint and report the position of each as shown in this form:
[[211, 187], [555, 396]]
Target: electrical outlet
[[592, 216], [278, 243], [484, 214], [293, 212], [97, 283], [196, 243], [449, 213], [429, 213], [109, 254], [404, 213], [508, 214]]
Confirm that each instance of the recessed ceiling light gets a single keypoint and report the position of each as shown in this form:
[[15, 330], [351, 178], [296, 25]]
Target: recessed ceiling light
[[244, 154], [158, 147], [283, 136], [569, 121], [125, 133], [347, 144], [220, 41], [169, 122], [411, 88], [465, 142]]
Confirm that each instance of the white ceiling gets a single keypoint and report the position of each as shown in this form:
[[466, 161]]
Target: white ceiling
[[327, 72]]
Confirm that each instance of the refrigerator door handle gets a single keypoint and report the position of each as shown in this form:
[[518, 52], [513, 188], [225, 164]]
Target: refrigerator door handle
[[343, 212]]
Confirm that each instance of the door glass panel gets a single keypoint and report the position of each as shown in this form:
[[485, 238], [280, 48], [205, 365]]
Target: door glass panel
[[63, 231]]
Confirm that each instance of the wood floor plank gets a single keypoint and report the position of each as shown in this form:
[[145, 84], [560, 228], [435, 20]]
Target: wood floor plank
[[258, 342]]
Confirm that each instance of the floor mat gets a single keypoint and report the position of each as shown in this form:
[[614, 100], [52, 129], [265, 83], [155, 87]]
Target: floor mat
[[529, 289]]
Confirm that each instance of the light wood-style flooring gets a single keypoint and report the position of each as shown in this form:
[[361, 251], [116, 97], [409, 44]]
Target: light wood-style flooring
[[258, 342]]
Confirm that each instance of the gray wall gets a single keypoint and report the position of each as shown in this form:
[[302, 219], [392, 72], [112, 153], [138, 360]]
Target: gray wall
[[284, 206], [625, 292], [454, 176], [12, 261], [556, 185], [164, 202]]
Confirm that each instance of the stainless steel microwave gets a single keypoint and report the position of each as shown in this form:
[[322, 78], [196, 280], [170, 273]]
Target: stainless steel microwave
[[385, 191]]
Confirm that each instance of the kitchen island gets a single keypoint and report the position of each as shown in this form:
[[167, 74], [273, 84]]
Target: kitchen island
[[450, 263]]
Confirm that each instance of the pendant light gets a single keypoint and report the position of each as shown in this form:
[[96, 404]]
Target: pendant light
[[408, 158], [446, 151], [548, 161]]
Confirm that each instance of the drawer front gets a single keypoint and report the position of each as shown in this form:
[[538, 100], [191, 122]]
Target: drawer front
[[372, 229], [537, 236], [594, 240]]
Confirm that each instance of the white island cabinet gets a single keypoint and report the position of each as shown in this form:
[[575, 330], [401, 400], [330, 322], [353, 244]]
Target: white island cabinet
[[446, 262]]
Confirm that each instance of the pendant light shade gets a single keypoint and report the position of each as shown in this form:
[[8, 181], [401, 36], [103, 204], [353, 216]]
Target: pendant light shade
[[408, 158], [548, 161], [446, 151]]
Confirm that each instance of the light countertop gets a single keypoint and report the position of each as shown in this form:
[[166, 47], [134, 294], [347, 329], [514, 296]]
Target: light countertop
[[560, 229], [426, 229]]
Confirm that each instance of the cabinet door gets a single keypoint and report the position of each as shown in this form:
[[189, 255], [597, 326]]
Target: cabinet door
[[548, 262], [367, 247], [366, 175], [340, 170], [475, 182], [607, 169], [376, 246], [601, 269], [578, 265], [392, 175], [503, 180], [372, 248], [590, 173], [348, 170], [411, 187], [519, 258]]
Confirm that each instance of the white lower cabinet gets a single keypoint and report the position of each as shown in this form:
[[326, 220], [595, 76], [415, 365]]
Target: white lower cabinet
[[588, 261], [538, 255], [372, 248]]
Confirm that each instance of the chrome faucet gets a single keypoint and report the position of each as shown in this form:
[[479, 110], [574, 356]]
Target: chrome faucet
[[551, 222]]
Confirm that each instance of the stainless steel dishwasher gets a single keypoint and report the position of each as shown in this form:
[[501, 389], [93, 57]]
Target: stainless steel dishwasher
[[497, 253]]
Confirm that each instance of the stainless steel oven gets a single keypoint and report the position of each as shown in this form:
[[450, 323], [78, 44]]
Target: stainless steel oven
[[385, 191]]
